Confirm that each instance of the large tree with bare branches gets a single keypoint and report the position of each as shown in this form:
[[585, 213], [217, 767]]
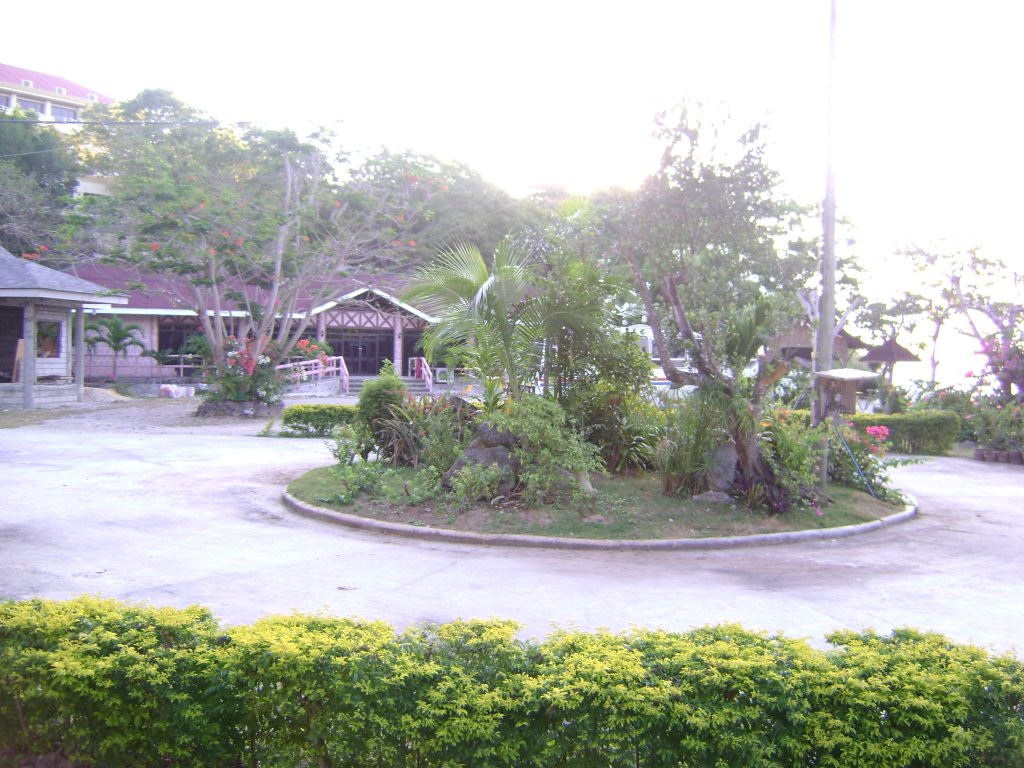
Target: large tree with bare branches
[[255, 223]]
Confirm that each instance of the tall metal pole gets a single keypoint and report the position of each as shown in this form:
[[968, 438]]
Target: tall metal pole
[[827, 307]]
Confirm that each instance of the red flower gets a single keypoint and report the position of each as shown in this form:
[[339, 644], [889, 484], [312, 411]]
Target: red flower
[[154, 246]]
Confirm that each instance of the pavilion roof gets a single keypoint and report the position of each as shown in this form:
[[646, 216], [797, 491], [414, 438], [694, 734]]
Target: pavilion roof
[[24, 279]]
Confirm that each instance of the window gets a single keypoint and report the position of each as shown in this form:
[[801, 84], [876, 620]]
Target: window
[[47, 339], [173, 332], [63, 114], [93, 97], [31, 106], [61, 90], [5, 101], [27, 83]]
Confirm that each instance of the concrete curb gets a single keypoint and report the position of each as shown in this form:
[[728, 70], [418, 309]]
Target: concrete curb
[[546, 542]]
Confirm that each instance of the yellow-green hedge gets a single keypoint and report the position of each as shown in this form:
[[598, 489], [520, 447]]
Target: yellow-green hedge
[[317, 420], [110, 684]]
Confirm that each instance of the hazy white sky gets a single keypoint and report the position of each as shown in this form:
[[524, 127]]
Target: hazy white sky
[[549, 92]]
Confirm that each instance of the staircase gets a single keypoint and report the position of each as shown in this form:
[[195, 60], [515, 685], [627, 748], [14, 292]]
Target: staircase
[[415, 386]]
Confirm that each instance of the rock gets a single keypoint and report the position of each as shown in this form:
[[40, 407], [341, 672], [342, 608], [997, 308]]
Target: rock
[[713, 497], [488, 456], [490, 437], [235, 409], [722, 476], [490, 447]]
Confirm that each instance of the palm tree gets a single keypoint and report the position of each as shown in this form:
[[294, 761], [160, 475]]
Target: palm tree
[[117, 334], [486, 311]]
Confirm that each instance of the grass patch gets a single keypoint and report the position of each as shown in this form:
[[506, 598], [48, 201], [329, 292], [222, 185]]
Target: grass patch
[[626, 507]]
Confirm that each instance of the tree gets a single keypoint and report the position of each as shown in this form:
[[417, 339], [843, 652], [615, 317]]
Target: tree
[[254, 223], [116, 334], [704, 242], [37, 176], [977, 282], [446, 202], [578, 297]]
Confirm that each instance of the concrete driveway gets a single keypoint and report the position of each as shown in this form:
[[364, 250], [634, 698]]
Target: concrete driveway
[[145, 503]]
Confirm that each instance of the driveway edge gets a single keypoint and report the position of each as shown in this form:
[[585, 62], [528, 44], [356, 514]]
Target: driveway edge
[[549, 542]]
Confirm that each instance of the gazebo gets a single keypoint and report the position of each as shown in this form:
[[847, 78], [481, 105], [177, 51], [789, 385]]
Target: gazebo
[[887, 354], [38, 362]]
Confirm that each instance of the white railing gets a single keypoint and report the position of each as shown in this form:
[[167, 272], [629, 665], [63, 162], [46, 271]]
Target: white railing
[[419, 368], [319, 369]]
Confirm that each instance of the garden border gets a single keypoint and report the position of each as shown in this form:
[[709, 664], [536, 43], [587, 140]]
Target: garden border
[[554, 542]]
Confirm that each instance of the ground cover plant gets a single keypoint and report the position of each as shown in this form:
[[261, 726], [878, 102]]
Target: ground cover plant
[[627, 506], [104, 683]]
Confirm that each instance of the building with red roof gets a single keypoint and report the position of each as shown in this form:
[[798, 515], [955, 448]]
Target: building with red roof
[[53, 98]]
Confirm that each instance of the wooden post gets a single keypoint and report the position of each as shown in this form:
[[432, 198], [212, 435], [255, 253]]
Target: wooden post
[[80, 352], [827, 311], [28, 364], [397, 346]]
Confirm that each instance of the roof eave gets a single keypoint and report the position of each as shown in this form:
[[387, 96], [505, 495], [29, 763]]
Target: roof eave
[[55, 295]]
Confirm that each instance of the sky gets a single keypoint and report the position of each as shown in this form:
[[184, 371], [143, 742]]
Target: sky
[[564, 93]]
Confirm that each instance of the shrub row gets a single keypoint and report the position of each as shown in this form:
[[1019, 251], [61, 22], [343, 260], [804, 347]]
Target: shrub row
[[118, 685], [317, 420], [929, 433]]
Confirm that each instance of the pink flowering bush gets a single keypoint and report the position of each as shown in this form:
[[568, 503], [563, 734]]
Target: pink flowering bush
[[868, 449], [244, 375]]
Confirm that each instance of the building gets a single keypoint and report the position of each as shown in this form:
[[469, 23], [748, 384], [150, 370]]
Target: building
[[55, 99], [365, 322], [41, 359]]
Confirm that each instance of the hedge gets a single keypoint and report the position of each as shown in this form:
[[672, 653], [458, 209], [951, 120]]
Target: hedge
[[317, 420], [931, 433], [108, 684], [926, 432]]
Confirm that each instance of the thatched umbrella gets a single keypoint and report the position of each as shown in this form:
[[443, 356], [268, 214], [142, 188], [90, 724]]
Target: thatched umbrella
[[888, 354]]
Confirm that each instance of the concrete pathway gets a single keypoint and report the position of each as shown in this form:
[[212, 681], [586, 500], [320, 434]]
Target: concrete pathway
[[145, 503]]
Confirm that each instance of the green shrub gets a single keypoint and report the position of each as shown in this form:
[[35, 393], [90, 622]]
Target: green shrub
[[924, 432], [475, 482], [552, 454], [793, 448], [694, 428], [317, 420], [115, 684], [378, 402], [356, 478], [109, 684], [857, 459], [624, 425], [951, 399], [927, 433], [311, 690]]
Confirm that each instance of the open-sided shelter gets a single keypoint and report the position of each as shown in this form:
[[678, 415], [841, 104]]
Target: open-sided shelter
[[41, 360]]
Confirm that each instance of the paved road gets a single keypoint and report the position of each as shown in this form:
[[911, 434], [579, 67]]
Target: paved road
[[144, 503]]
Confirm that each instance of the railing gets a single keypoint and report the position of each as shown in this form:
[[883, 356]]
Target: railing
[[419, 368], [101, 364], [319, 369]]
